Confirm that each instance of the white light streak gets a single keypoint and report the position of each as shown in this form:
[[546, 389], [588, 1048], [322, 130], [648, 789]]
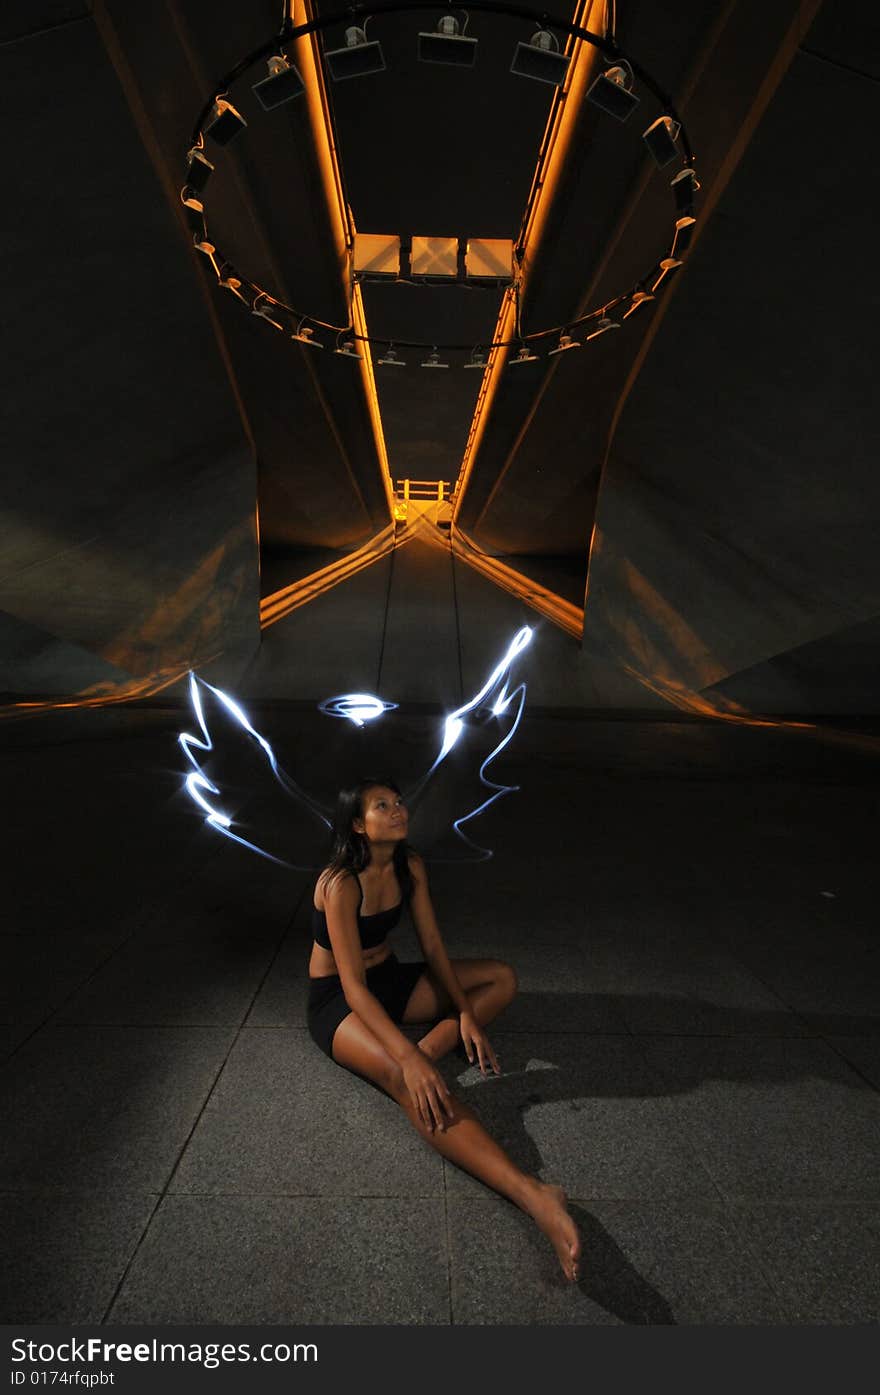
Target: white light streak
[[454, 726], [357, 707], [198, 781]]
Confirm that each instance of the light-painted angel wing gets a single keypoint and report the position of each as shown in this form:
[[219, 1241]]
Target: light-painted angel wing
[[456, 788], [237, 782]]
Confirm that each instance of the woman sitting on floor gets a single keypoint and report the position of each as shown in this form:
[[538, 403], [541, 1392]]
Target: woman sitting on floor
[[359, 992]]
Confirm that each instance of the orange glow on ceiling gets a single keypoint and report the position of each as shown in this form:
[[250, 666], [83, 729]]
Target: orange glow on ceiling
[[274, 608], [555, 146], [422, 523], [565, 614], [103, 694], [306, 54]]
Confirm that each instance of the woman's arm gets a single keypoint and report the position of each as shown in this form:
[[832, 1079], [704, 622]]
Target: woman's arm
[[476, 1043], [428, 1090], [430, 938]]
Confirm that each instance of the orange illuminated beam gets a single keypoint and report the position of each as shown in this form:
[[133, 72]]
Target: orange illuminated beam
[[306, 55], [103, 694], [308, 588], [589, 14], [565, 614]]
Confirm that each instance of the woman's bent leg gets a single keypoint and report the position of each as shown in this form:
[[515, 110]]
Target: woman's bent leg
[[490, 986], [464, 1142]]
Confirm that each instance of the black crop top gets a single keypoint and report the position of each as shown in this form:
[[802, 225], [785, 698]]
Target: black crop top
[[373, 928]]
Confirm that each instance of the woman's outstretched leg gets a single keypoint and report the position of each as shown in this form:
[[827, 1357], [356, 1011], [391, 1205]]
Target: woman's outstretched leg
[[465, 1142]]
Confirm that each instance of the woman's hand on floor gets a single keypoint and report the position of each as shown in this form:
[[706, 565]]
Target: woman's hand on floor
[[428, 1090], [476, 1044]]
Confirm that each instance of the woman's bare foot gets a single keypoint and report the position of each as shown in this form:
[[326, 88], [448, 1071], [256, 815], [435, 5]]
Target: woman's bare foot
[[548, 1210]]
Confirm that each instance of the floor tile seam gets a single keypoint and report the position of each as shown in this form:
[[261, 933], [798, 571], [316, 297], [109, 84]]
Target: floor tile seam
[[77, 988], [160, 904], [130, 1261], [99, 1024], [122, 1193], [448, 1244], [96, 1028], [811, 1037], [794, 1197], [126, 1194], [855, 1203], [256, 1195], [715, 1036], [743, 1201], [164, 1191], [727, 1200], [275, 1027], [768, 987], [505, 1030], [757, 1257], [208, 1094], [288, 926], [873, 1084]]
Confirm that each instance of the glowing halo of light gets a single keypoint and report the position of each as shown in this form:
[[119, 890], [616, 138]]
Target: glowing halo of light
[[359, 708]]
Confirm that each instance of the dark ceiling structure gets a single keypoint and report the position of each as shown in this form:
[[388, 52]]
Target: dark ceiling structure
[[698, 488]]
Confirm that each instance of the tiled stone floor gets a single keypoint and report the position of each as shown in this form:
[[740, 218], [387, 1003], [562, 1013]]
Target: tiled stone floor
[[694, 1053]]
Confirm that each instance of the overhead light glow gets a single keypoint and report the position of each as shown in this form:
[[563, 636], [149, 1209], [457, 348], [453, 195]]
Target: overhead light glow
[[668, 267], [477, 360], [198, 169], [304, 335], [434, 257], [195, 214], [347, 349], [660, 138], [269, 311], [565, 342], [376, 257], [282, 85], [602, 326], [230, 280], [684, 231], [540, 59], [356, 59], [489, 260], [684, 186], [611, 92], [639, 298], [447, 45], [224, 123]]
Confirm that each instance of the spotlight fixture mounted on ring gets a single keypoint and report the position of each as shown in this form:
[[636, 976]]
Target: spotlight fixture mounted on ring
[[613, 91]]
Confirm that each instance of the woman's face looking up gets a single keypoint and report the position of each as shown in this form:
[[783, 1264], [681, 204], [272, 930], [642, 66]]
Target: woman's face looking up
[[385, 817]]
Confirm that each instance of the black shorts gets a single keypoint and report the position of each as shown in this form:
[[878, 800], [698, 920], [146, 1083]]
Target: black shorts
[[391, 982]]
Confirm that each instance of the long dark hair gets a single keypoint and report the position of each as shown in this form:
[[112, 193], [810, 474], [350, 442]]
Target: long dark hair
[[351, 850]]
